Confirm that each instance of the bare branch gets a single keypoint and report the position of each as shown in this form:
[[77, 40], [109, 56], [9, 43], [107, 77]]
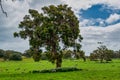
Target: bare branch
[[2, 8]]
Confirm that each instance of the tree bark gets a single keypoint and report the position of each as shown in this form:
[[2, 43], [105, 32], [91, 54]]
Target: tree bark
[[56, 56], [101, 60], [58, 62], [84, 59], [36, 55]]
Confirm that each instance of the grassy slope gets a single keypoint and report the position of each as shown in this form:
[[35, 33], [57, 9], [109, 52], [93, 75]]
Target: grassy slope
[[91, 70]]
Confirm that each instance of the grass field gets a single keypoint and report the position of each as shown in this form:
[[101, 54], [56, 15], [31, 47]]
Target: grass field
[[11, 70]]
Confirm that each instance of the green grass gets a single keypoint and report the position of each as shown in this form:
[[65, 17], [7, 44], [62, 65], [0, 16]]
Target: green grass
[[11, 70]]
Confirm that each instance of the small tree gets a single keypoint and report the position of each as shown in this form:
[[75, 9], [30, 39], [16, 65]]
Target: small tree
[[67, 54], [57, 24], [2, 52], [93, 56], [116, 54], [81, 54], [102, 53]]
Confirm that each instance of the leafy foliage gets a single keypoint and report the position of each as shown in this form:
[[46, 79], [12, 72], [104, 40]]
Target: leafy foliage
[[1, 53], [10, 55], [116, 54], [102, 53], [67, 54], [56, 24], [80, 54], [15, 57], [27, 53]]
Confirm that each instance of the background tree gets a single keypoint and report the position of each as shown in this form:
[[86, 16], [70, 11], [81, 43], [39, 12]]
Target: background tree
[[80, 54], [2, 52], [15, 57], [56, 24], [116, 54], [28, 53], [67, 54], [102, 53], [93, 56], [9, 53]]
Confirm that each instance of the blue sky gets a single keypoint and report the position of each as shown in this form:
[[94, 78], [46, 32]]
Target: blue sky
[[99, 11], [99, 22]]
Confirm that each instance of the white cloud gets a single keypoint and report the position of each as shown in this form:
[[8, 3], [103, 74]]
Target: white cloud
[[90, 22], [93, 34], [17, 45], [113, 18], [85, 22], [85, 4], [16, 11]]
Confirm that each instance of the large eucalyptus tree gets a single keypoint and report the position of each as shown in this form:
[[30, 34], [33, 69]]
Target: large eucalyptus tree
[[55, 29]]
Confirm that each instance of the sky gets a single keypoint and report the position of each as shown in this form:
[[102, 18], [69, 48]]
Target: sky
[[99, 22]]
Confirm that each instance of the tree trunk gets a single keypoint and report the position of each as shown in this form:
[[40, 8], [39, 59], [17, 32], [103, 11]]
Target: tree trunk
[[36, 55], [84, 59], [101, 60], [58, 62]]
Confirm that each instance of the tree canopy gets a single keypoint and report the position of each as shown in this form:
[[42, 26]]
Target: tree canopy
[[102, 53], [55, 29]]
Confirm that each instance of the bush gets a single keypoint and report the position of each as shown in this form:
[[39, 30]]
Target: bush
[[15, 56]]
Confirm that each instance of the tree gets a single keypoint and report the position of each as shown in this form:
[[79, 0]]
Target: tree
[[93, 56], [102, 53], [67, 54], [116, 54], [2, 52], [28, 53], [80, 54], [56, 24]]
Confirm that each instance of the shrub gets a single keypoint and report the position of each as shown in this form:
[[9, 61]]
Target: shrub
[[15, 56]]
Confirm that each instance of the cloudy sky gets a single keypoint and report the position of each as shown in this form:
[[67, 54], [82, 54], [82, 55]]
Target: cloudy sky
[[99, 22]]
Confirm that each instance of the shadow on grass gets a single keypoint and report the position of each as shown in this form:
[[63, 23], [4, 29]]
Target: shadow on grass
[[50, 71], [64, 69]]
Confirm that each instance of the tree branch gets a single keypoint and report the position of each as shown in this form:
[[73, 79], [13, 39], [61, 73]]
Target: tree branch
[[2, 8]]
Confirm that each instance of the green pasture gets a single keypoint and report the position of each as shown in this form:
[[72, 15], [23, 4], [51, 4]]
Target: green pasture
[[20, 70]]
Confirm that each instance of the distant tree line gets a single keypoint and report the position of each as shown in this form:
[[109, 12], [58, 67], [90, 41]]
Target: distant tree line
[[66, 54], [17, 56], [10, 55], [102, 54]]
